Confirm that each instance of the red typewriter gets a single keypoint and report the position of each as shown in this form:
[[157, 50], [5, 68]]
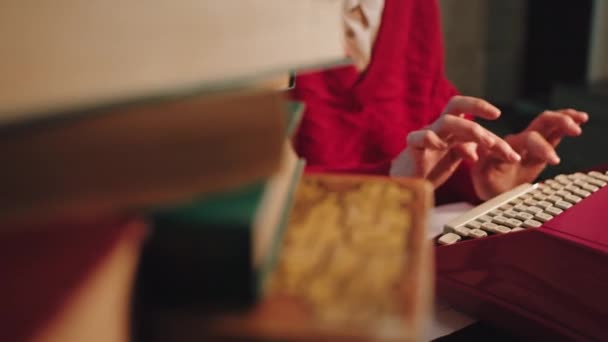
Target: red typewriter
[[533, 260]]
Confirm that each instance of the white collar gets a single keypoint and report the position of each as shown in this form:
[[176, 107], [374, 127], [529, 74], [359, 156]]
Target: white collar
[[360, 43]]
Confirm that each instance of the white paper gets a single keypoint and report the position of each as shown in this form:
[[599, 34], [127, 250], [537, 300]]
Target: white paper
[[443, 214]]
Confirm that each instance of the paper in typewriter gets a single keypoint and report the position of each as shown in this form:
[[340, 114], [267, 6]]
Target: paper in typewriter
[[354, 262]]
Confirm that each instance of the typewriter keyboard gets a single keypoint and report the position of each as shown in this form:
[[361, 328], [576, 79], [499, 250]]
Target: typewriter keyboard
[[527, 206]]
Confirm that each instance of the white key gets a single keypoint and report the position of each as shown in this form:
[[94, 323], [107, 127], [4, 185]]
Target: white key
[[562, 179], [532, 224], [502, 230], [495, 212], [525, 197], [534, 210], [462, 231], [510, 213], [556, 186], [563, 193], [590, 188], [596, 182], [540, 197], [449, 239], [524, 216], [520, 207], [582, 193], [477, 234], [551, 182], [489, 226], [548, 191], [544, 204], [543, 217], [484, 218], [572, 199], [500, 220], [563, 205], [516, 229], [512, 223], [580, 182], [577, 175], [530, 202], [535, 192], [473, 225], [554, 211], [598, 175], [571, 188], [489, 205], [506, 207], [554, 199], [516, 202]]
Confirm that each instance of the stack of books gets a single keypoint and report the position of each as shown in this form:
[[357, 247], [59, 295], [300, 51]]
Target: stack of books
[[163, 125], [353, 265], [216, 251]]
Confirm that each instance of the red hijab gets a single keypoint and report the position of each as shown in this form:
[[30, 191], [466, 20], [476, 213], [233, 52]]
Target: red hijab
[[357, 123]]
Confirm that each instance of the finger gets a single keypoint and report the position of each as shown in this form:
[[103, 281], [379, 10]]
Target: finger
[[450, 162], [503, 150], [468, 151], [445, 167], [454, 129], [577, 116], [424, 139], [471, 105], [538, 149], [555, 125]]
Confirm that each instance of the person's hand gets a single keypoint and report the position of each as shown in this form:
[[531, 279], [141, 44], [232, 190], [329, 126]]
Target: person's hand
[[437, 150], [536, 145]]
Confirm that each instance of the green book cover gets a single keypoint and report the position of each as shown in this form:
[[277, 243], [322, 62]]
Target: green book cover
[[236, 207], [272, 257], [201, 253], [294, 116]]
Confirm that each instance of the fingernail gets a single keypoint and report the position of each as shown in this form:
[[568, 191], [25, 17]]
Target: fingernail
[[555, 159], [495, 111], [488, 140], [585, 117], [515, 156]]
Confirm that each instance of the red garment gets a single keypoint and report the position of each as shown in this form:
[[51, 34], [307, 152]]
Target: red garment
[[359, 122]]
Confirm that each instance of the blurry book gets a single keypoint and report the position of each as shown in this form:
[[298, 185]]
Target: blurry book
[[295, 113], [354, 264], [63, 54], [138, 155], [217, 251], [69, 280], [279, 82]]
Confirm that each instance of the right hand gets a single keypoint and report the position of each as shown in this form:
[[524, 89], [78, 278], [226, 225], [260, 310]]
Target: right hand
[[435, 151]]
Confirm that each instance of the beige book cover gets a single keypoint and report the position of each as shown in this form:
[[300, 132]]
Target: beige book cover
[[76, 54], [354, 265]]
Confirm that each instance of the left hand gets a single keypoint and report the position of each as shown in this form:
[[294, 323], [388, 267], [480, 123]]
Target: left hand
[[536, 146]]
